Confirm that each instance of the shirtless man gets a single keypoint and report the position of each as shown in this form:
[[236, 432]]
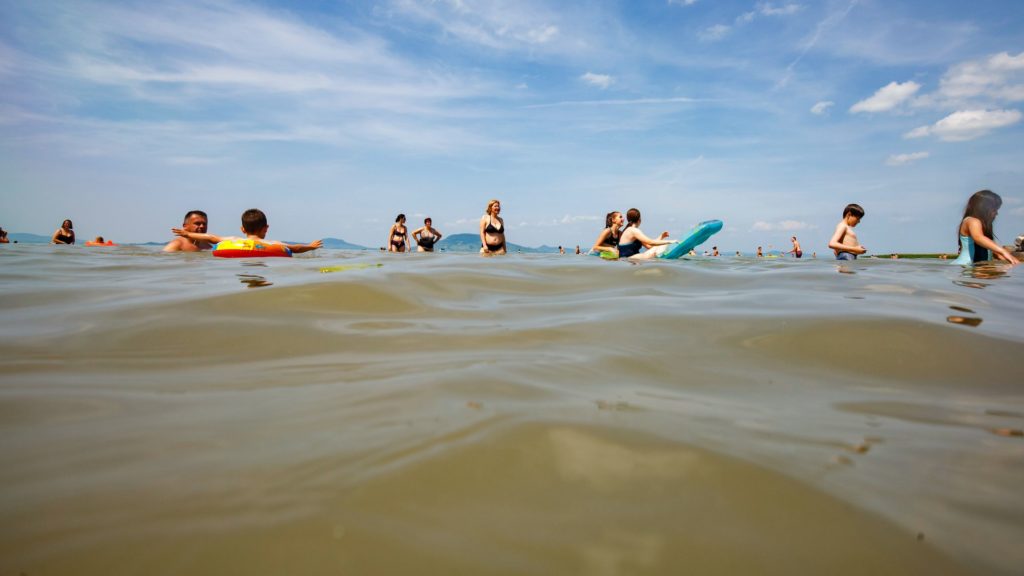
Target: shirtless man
[[796, 251], [844, 240], [195, 221]]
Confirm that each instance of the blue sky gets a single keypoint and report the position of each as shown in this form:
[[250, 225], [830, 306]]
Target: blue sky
[[333, 117]]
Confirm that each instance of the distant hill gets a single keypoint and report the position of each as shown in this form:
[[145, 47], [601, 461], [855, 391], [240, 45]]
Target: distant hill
[[471, 243], [26, 238], [339, 244]]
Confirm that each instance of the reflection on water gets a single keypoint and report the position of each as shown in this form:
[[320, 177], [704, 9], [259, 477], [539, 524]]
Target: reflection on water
[[254, 281], [526, 414]]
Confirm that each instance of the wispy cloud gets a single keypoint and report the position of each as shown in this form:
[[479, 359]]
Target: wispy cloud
[[821, 107], [887, 98], [714, 33], [602, 81], [682, 2], [967, 125], [626, 102], [499, 25], [781, 226], [904, 159]]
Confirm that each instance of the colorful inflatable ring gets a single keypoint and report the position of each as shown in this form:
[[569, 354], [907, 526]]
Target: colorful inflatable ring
[[248, 248], [93, 243]]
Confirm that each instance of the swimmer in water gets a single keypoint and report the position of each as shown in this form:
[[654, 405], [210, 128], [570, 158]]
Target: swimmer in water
[[254, 226], [65, 234], [426, 236], [844, 240], [633, 240], [608, 239]]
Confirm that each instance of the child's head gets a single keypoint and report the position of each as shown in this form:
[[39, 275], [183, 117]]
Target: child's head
[[983, 205], [254, 221], [609, 219], [854, 211]]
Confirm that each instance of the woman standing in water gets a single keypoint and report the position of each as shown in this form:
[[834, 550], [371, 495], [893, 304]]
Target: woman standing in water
[[398, 236], [426, 236], [975, 231], [492, 230], [65, 234], [608, 240], [633, 239]]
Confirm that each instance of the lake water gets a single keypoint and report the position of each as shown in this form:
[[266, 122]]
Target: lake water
[[528, 414]]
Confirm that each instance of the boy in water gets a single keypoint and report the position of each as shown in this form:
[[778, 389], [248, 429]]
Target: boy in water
[[844, 240], [254, 226]]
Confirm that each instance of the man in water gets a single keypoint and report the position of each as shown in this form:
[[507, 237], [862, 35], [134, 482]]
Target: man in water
[[195, 221], [796, 251]]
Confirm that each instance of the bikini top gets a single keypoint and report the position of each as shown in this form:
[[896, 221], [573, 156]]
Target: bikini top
[[490, 229], [612, 239]]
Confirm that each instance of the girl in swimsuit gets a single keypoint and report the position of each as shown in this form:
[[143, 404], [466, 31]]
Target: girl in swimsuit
[[633, 239], [608, 240], [492, 230], [65, 234], [426, 237], [398, 236], [975, 232]]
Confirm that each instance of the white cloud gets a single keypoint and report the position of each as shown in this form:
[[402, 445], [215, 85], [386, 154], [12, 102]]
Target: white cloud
[[768, 9], [903, 159], [1000, 77], [887, 97], [602, 81], [821, 107], [714, 33], [967, 125], [682, 2], [781, 226]]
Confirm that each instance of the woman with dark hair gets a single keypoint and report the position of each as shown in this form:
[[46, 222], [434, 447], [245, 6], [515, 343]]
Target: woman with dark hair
[[398, 236], [633, 239], [65, 234], [426, 236], [492, 230], [975, 231], [608, 240]]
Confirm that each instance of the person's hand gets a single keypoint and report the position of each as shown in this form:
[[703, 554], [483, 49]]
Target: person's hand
[[316, 244], [663, 236], [1005, 255], [861, 250], [179, 232]]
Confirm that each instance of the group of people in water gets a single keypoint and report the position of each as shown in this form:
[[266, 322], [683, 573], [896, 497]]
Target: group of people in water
[[974, 234]]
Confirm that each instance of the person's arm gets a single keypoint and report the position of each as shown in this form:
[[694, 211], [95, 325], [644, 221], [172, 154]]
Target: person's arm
[[836, 243], [54, 239], [650, 242], [417, 233], [300, 248], [601, 244], [437, 235], [977, 232], [483, 235], [211, 238]]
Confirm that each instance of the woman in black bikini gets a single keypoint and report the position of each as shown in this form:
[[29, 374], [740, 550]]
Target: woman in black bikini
[[65, 234], [426, 237], [608, 240], [492, 230], [398, 236]]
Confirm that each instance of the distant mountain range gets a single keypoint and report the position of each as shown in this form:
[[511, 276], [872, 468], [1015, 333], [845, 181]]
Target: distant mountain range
[[471, 243]]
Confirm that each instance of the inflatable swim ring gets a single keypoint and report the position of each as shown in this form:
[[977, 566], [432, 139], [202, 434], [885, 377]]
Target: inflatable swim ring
[[248, 248], [94, 243]]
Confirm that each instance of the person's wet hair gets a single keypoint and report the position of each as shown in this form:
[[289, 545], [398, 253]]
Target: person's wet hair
[[253, 220], [400, 217], [982, 205]]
